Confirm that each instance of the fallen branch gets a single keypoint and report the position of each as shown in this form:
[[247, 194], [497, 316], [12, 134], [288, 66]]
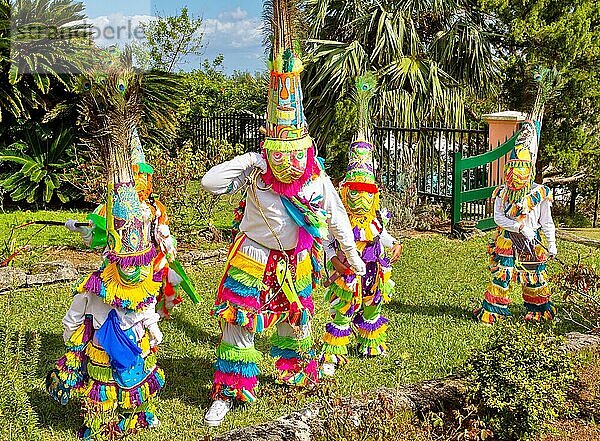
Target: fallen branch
[[570, 237]]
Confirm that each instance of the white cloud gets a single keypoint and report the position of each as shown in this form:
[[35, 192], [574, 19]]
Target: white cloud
[[236, 14], [118, 28]]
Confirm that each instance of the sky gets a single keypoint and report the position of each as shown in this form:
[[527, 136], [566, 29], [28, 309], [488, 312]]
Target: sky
[[230, 27]]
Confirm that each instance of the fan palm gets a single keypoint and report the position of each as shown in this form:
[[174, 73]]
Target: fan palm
[[429, 56]]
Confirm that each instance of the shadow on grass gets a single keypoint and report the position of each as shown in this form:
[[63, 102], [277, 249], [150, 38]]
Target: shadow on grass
[[432, 310], [188, 380], [53, 415], [194, 332]]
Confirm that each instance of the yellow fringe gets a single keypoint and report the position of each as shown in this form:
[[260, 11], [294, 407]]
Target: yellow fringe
[[117, 288], [247, 264], [542, 291], [77, 337], [303, 267], [97, 355], [503, 242], [336, 341], [372, 335], [497, 291]]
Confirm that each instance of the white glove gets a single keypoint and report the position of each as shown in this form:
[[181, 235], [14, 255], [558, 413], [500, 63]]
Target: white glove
[[70, 224], [258, 161], [552, 250], [356, 263], [528, 232], [166, 241], [156, 335]]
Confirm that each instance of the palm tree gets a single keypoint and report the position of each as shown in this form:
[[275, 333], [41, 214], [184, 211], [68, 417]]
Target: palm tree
[[41, 43], [429, 57]]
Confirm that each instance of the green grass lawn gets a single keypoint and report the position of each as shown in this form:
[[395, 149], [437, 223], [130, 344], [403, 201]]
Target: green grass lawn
[[439, 281]]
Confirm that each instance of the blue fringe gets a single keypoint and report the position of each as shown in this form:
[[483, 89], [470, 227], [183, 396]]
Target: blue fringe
[[495, 309], [530, 307], [277, 352], [241, 289], [306, 292], [247, 370]]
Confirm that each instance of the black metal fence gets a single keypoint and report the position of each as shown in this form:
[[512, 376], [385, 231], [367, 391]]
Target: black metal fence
[[240, 128], [426, 151]]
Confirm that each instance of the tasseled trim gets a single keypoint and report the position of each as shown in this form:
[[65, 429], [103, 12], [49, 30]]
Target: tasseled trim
[[520, 209], [241, 276], [232, 353], [336, 336], [537, 313], [370, 328], [301, 345], [235, 381], [247, 264], [128, 292], [240, 289], [372, 351], [235, 373], [137, 421], [302, 375], [135, 396], [143, 258], [97, 355], [231, 312], [496, 295]]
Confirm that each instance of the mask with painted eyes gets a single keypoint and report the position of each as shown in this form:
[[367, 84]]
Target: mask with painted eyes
[[518, 178], [287, 167], [359, 202]]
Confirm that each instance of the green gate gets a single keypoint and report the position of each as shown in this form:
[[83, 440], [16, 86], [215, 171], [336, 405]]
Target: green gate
[[470, 184]]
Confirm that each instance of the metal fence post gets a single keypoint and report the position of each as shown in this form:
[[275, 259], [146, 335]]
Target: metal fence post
[[456, 188]]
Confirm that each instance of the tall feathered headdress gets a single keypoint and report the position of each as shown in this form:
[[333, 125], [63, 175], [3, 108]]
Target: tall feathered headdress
[[110, 109], [286, 127], [360, 174], [519, 171]]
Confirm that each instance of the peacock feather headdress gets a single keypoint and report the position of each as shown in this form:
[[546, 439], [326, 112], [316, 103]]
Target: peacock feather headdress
[[360, 174], [519, 171]]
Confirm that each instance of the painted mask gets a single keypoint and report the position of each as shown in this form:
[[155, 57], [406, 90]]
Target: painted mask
[[360, 202], [518, 177], [287, 167], [143, 185]]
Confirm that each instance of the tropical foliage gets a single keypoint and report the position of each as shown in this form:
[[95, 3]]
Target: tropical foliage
[[43, 157], [34, 55], [429, 57]]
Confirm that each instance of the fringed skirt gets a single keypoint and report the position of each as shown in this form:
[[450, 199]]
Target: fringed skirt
[[509, 263], [262, 287], [87, 371]]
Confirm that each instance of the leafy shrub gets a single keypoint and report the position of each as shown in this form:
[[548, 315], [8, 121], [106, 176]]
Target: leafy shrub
[[520, 380], [44, 158], [19, 354]]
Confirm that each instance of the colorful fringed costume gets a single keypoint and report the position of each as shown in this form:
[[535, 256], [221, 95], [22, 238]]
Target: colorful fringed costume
[[111, 329], [275, 261], [522, 211], [356, 301]]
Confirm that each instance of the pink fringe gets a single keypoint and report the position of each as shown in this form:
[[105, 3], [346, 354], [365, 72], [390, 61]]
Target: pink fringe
[[288, 364], [308, 303], [245, 302], [289, 190], [235, 381], [127, 261]]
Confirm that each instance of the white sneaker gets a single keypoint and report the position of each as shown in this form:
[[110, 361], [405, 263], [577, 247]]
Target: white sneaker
[[328, 369], [155, 423], [216, 412]]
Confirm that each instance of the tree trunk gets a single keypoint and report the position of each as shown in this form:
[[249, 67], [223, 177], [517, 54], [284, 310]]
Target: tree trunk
[[572, 202], [596, 206]]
